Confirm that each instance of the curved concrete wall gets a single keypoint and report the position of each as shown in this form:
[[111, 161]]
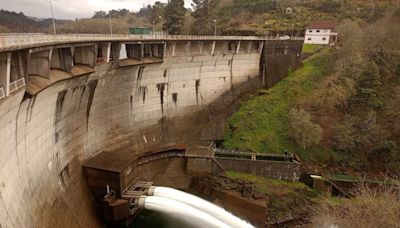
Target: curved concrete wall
[[45, 139]]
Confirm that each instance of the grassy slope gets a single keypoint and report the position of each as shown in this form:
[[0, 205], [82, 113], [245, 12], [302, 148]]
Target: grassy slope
[[268, 186], [285, 199], [311, 48], [260, 125]]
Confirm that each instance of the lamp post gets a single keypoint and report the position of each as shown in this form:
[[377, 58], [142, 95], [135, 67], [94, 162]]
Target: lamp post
[[215, 27], [161, 23], [292, 30], [284, 30], [109, 15], [52, 15]]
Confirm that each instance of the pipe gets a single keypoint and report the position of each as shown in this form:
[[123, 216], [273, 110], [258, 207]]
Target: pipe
[[181, 211], [141, 201], [201, 205], [150, 192]]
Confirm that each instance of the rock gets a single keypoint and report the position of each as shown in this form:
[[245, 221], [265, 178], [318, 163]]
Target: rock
[[248, 190]]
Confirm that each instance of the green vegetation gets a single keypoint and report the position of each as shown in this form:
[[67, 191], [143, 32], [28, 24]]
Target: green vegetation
[[268, 186], [241, 17], [286, 200], [339, 111], [302, 130], [372, 207], [204, 16], [311, 48], [270, 17], [261, 124], [174, 16]]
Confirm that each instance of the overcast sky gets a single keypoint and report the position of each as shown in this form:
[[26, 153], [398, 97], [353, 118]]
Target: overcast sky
[[71, 9]]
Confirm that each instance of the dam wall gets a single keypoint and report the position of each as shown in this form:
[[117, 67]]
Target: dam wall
[[46, 138], [73, 108]]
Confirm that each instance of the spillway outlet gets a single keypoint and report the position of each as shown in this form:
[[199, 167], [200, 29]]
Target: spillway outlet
[[125, 208], [114, 180]]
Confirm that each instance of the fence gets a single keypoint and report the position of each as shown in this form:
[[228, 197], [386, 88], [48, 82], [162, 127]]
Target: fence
[[15, 85], [11, 40]]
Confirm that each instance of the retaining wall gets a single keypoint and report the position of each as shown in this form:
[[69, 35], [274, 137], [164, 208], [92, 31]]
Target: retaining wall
[[290, 171]]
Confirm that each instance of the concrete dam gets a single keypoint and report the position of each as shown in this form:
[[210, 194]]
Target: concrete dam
[[68, 99]]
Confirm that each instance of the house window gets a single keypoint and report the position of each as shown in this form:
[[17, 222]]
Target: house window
[[317, 30], [324, 38], [309, 38]]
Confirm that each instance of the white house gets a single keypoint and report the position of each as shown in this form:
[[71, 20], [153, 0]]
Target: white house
[[321, 32]]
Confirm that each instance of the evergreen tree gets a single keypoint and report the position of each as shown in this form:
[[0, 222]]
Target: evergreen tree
[[174, 15], [204, 15], [369, 86], [157, 12]]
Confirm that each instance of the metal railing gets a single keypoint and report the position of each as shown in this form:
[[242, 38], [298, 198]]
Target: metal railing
[[226, 153], [11, 40], [2, 94], [15, 85]]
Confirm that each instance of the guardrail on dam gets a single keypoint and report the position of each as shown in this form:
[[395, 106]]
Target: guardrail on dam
[[63, 101]]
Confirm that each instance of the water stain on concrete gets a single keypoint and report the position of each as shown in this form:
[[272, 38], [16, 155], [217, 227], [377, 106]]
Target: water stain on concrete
[[197, 85], [142, 92], [161, 88], [231, 71], [175, 98], [92, 88], [140, 74], [131, 102], [59, 105]]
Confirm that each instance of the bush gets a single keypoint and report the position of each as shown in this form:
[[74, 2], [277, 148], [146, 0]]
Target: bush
[[328, 6], [335, 94], [302, 130], [372, 207], [345, 135]]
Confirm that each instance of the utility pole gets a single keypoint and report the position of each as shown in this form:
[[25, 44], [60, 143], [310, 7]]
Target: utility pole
[[52, 15], [215, 27], [109, 15]]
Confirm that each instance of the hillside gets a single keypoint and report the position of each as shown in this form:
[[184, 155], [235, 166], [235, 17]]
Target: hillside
[[339, 112], [20, 23], [242, 17]]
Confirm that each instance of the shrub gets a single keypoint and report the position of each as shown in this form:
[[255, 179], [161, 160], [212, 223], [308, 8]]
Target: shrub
[[302, 130], [345, 135], [372, 207], [335, 94]]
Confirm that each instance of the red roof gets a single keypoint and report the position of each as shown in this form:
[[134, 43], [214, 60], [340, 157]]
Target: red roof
[[322, 25]]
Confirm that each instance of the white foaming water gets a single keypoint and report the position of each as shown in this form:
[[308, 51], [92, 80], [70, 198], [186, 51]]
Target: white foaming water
[[183, 211], [202, 205]]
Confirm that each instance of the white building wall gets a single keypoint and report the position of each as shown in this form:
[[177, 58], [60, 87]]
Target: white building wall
[[317, 36]]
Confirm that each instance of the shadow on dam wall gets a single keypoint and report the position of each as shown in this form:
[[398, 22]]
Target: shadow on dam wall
[[278, 59], [47, 137]]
